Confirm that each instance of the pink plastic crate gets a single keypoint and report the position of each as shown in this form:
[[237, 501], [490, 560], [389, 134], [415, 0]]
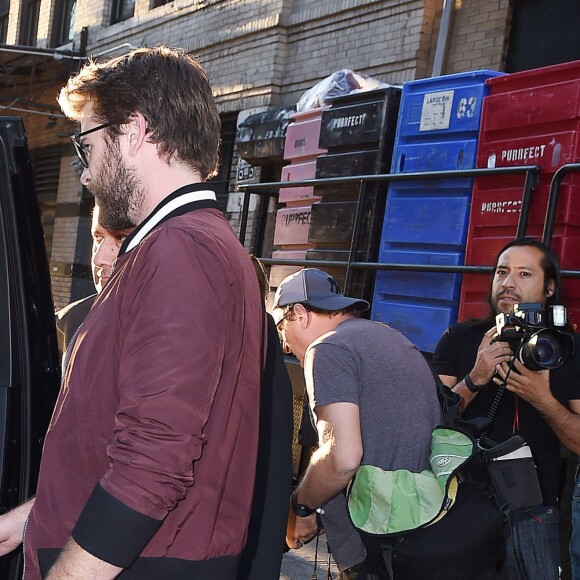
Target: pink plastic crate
[[298, 172], [303, 134], [292, 225]]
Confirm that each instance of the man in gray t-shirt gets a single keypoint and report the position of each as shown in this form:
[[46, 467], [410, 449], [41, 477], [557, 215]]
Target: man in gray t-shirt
[[373, 398]]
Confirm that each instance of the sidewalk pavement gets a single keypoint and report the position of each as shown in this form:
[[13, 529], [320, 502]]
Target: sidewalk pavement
[[299, 564]]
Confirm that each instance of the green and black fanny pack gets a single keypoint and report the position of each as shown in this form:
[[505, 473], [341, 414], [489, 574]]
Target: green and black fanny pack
[[446, 514], [384, 503]]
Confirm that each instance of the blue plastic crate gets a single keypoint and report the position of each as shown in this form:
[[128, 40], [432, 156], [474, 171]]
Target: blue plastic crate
[[435, 156], [443, 106], [425, 287], [420, 323], [426, 221]]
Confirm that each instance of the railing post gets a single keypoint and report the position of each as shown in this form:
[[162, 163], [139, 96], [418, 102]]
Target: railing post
[[553, 199], [357, 227], [529, 187], [244, 218]]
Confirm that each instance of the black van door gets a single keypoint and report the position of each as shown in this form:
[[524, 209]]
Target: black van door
[[29, 365]]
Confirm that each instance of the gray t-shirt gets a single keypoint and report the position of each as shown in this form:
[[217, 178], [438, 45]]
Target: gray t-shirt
[[377, 368]]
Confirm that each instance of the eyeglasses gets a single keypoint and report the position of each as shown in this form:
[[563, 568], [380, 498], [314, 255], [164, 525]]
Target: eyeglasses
[[78, 143], [284, 318]]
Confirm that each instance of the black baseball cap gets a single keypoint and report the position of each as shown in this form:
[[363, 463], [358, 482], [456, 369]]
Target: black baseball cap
[[315, 288]]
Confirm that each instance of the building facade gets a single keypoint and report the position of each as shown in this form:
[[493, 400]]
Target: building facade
[[258, 53]]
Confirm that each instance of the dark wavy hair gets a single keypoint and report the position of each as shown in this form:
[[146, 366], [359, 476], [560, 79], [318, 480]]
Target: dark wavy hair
[[549, 264], [168, 87]]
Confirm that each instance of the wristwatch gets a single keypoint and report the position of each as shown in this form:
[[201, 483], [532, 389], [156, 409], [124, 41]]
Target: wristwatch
[[301, 510], [472, 386]]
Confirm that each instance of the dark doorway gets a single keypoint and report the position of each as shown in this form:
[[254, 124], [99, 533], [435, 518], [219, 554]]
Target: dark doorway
[[544, 32]]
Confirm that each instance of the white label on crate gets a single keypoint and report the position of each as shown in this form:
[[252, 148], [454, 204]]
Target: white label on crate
[[505, 206], [467, 107], [349, 121], [523, 153], [436, 111]]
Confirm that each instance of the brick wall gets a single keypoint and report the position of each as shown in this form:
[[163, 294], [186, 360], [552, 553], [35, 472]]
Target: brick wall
[[381, 39], [66, 231], [93, 14], [267, 53], [45, 23], [270, 51], [61, 290], [479, 35], [13, 22], [41, 133]]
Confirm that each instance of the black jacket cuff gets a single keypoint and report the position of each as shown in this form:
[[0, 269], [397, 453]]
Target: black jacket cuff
[[111, 531]]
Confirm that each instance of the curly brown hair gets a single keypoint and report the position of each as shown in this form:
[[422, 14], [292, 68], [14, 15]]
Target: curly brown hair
[[168, 87]]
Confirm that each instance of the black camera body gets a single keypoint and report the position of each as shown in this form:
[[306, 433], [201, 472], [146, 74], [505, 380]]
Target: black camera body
[[536, 335]]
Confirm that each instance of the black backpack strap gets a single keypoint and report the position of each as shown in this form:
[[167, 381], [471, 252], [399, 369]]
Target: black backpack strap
[[448, 399], [450, 402], [388, 558]]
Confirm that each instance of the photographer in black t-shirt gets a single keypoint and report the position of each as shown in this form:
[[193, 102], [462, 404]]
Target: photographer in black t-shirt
[[542, 406]]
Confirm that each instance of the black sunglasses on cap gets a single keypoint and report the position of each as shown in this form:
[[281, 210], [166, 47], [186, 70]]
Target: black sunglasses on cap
[[78, 144]]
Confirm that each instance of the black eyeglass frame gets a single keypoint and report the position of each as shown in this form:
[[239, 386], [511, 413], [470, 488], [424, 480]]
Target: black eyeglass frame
[[78, 144], [286, 316]]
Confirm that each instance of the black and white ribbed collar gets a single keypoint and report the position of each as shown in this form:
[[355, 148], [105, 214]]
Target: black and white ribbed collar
[[181, 201]]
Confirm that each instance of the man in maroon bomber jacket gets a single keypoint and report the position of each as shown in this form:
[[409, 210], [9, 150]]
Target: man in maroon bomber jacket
[[149, 461]]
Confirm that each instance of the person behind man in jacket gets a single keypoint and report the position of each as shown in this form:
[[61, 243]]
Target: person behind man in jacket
[[104, 249], [262, 555], [149, 462], [542, 406], [374, 400]]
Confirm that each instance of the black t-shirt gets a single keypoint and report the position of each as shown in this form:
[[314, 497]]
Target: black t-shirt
[[455, 356]]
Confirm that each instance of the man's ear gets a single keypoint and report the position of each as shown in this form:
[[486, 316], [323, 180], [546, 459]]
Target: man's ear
[[302, 315], [136, 131], [551, 288]]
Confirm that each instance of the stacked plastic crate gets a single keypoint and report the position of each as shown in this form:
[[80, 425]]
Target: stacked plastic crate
[[529, 118], [426, 220], [358, 130], [293, 221]]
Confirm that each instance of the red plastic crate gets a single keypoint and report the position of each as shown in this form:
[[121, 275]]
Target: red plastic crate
[[529, 118]]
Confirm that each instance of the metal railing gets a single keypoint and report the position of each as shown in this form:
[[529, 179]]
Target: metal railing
[[271, 189], [553, 197]]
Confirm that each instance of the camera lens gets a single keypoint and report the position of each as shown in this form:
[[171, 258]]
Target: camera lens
[[547, 352], [546, 349]]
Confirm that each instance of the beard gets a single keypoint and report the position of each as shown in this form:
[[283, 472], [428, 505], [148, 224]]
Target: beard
[[117, 190], [495, 298]]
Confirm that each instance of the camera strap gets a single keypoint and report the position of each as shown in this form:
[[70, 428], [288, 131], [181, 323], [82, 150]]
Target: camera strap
[[493, 410], [497, 401]]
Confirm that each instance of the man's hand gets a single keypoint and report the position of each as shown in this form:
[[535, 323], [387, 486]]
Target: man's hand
[[12, 527], [300, 530], [489, 356], [531, 386]]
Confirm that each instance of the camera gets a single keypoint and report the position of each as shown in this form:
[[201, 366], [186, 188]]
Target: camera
[[536, 335]]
